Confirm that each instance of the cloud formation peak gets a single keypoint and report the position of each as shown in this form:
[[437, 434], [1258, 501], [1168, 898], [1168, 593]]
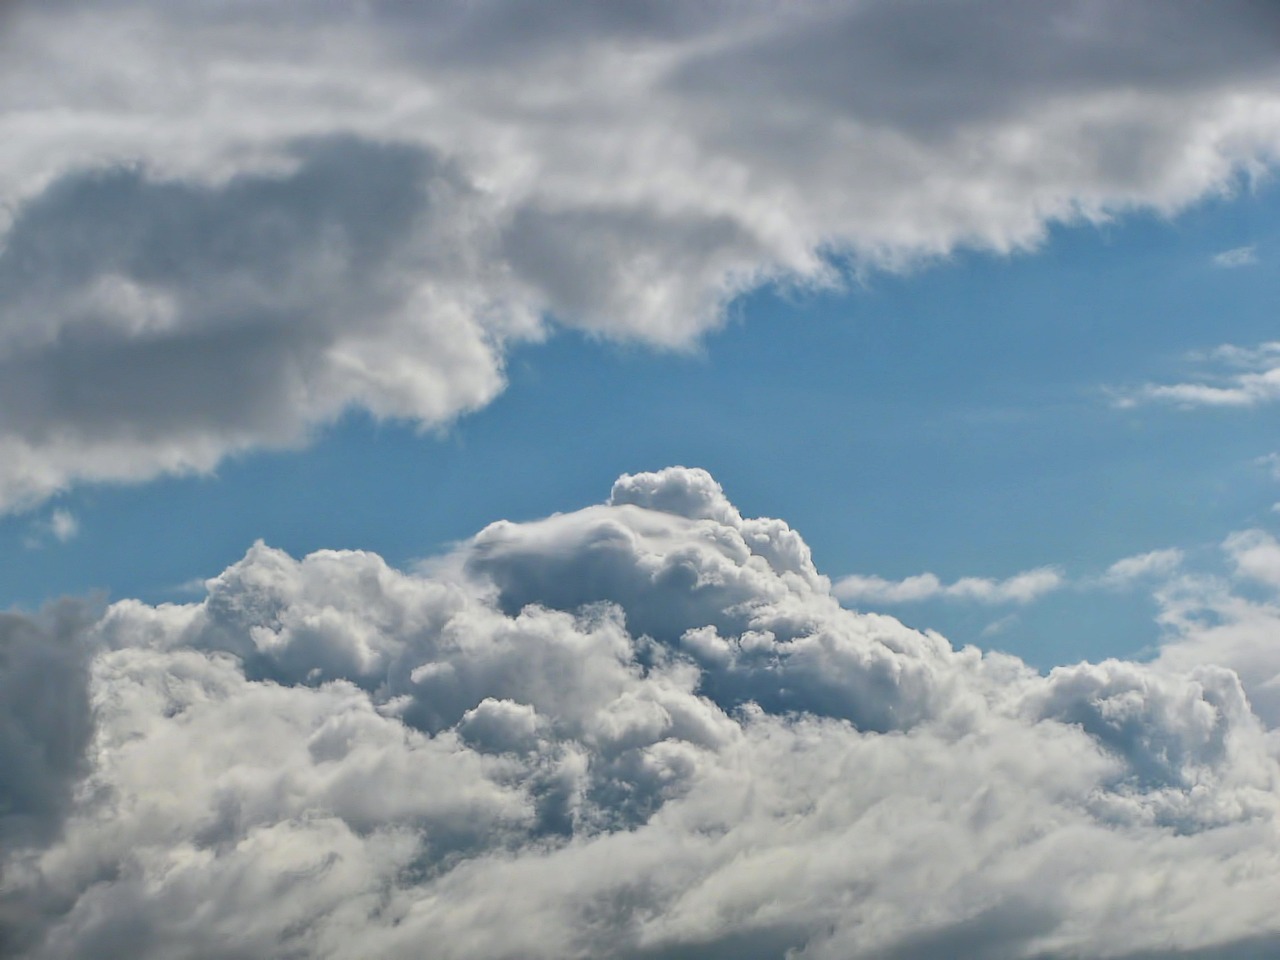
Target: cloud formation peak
[[642, 729]]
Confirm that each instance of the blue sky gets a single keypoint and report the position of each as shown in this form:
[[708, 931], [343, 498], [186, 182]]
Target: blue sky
[[639, 480], [953, 418]]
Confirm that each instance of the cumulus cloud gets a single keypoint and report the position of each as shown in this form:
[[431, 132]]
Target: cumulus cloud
[[225, 224], [1020, 588], [1233, 376], [645, 729]]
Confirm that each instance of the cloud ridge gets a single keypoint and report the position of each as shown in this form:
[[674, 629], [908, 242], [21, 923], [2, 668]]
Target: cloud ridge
[[642, 729]]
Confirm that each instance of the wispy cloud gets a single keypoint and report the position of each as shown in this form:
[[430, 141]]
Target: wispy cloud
[[63, 525], [1151, 565], [1020, 588], [1237, 257], [60, 525], [1231, 376]]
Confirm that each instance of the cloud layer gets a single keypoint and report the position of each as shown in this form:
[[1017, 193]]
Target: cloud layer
[[229, 223], [645, 730]]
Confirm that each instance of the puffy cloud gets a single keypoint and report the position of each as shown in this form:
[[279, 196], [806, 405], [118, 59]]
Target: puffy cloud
[[1233, 621], [645, 729], [227, 223], [1020, 588]]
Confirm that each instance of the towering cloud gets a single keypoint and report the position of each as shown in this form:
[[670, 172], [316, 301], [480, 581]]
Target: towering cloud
[[227, 223], [643, 729]]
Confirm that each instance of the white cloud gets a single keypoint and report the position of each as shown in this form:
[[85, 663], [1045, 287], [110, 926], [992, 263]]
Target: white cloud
[[1020, 588], [1255, 555], [61, 525], [229, 223], [1154, 564], [1237, 257], [1236, 377], [644, 729]]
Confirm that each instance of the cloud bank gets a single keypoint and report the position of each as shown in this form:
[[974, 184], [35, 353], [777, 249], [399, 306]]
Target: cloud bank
[[226, 224], [645, 729]]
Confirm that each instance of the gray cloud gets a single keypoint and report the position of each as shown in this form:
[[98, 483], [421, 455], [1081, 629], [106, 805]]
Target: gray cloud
[[228, 223], [44, 718], [693, 752], [154, 324]]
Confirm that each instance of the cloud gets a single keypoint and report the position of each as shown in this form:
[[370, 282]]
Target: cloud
[[1255, 555], [61, 524], [1156, 563], [1022, 587], [1236, 257], [228, 224], [645, 729], [44, 717], [1237, 377]]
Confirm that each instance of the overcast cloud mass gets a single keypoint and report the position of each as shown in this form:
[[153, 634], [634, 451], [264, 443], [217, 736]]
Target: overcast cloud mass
[[643, 729], [646, 729], [228, 223]]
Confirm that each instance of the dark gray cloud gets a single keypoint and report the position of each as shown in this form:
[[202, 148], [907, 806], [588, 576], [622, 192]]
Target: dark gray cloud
[[46, 723], [153, 323], [45, 720], [228, 222], [327, 757]]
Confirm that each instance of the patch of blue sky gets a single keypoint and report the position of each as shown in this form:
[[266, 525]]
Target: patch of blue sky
[[953, 419]]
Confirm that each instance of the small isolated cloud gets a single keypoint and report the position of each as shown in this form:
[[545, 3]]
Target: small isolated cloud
[[1021, 588], [1142, 566], [63, 525], [996, 627], [60, 525], [1230, 376], [1237, 257]]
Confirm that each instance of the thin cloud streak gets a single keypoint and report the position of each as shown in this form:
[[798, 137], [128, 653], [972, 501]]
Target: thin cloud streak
[[1021, 588], [1237, 257], [1235, 377]]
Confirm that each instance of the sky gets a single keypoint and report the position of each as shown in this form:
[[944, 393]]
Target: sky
[[640, 480]]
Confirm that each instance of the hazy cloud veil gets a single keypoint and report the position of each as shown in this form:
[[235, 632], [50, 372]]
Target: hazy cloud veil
[[643, 729]]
